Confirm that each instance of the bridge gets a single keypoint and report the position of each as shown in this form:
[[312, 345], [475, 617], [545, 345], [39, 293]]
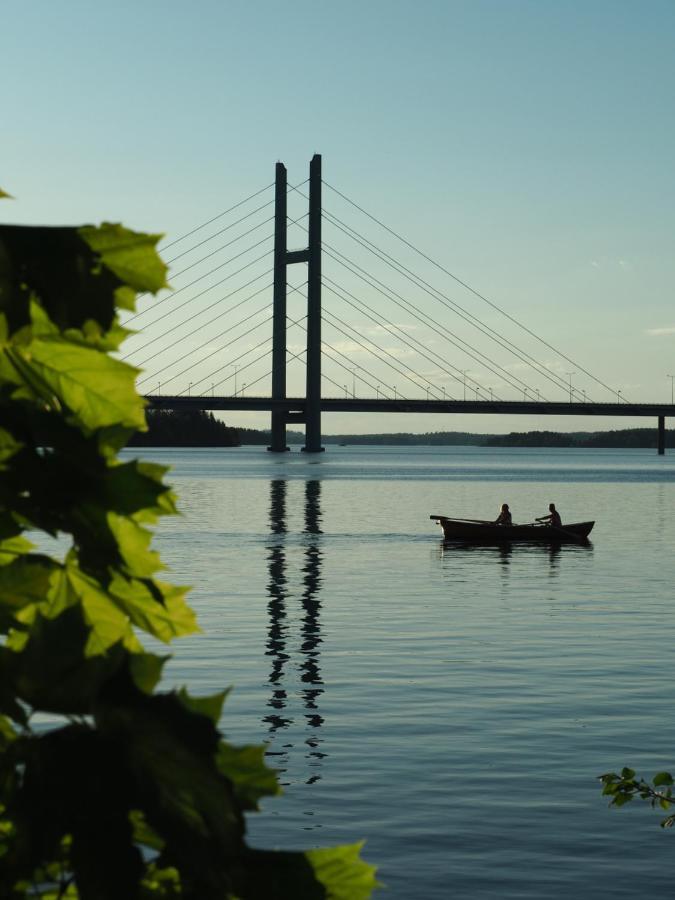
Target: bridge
[[433, 358]]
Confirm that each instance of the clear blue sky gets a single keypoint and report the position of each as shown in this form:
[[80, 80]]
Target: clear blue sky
[[527, 146]]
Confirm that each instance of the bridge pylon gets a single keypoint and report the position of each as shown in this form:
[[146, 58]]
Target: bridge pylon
[[282, 259]]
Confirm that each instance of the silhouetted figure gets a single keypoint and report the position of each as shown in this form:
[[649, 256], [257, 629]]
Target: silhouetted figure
[[504, 517], [553, 517]]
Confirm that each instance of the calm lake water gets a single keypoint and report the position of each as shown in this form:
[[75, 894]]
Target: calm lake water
[[450, 705]]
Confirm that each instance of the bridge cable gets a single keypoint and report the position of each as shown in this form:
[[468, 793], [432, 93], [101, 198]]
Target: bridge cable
[[251, 363], [197, 280], [448, 336], [208, 355], [220, 349], [330, 316], [218, 233], [215, 218], [410, 341], [439, 296], [442, 298], [205, 324], [210, 340], [468, 287]]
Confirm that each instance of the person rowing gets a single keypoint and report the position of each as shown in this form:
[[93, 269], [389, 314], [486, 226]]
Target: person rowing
[[504, 517], [553, 517]]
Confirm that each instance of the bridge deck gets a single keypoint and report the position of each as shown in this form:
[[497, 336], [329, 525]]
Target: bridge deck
[[296, 405]]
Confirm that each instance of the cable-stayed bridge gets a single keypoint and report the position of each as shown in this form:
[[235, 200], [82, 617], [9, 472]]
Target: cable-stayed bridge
[[357, 319]]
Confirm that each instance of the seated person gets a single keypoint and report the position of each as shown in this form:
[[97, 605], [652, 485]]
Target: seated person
[[553, 517], [504, 517]]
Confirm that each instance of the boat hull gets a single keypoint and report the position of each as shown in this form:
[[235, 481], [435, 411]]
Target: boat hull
[[475, 533]]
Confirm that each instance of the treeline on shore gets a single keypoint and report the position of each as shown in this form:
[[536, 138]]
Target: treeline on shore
[[196, 428], [184, 428]]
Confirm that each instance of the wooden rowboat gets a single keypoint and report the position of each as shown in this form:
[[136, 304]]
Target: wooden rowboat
[[478, 532]]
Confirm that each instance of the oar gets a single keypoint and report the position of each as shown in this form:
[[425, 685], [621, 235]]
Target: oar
[[473, 521]]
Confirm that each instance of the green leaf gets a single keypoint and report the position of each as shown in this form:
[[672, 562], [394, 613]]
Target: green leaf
[[337, 873], [211, 706], [130, 255], [25, 581], [137, 486], [246, 769], [9, 447], [182, 794], [627, 773], [343, 873], [52, 673], [98, 390], [12, 547], [663, 778], [165, 620]]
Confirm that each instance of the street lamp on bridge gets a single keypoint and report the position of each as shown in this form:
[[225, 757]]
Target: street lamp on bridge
[[569, 375], [672, 398]]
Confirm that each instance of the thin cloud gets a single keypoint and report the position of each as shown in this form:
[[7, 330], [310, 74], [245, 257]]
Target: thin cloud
[[660, 332]]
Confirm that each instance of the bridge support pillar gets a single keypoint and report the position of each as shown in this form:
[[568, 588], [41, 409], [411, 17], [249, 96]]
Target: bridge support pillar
[[278, 444], [313, 390], [661, 439]]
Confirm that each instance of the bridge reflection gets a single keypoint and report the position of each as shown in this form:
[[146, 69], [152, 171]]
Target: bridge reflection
[[286, 631]]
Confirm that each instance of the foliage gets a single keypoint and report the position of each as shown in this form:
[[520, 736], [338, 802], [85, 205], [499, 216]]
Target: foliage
[[624, 787], [121, 791]]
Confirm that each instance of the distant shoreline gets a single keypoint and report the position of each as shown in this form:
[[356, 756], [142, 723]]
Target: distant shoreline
[[199, 429], [630, 438]]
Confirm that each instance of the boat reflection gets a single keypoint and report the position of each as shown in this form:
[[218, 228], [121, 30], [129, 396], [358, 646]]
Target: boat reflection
[[285, 628], [506, 553]]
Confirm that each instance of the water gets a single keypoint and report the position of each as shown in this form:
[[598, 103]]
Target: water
[[450, 705]]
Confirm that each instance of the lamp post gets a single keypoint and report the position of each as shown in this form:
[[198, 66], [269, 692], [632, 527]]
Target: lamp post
[[235, 380], [569, 375], [354, 383], [444, 393], [394, 389], [243, 388], [189, 388], [377, 392], [618, 396], [464, 371], [672, 398], [584, 395], [346, 391], [491, 397], [537, 395]]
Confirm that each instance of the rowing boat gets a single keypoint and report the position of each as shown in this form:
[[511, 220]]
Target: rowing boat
[[475, 531]]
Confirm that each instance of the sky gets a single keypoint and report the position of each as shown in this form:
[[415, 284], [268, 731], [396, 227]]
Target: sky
[[524, 147]]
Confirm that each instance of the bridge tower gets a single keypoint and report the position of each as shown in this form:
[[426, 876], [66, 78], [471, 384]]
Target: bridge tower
[[282, 258]]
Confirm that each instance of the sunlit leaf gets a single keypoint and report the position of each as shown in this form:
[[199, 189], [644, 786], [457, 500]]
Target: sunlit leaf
[[97, 389], [129, 254], [343, 873], [251, 777], [210, 706]]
